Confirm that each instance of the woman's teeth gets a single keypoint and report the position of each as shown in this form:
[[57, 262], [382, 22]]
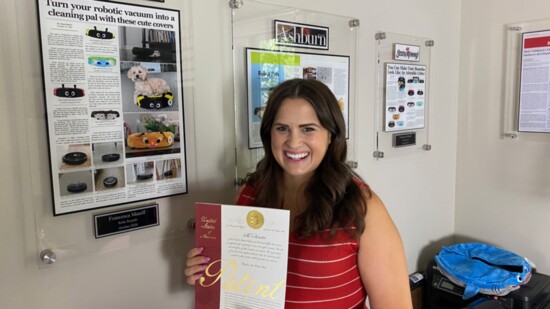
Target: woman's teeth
[[297, 156]]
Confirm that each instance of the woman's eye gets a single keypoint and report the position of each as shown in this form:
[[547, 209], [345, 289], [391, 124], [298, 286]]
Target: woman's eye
[[308, 129], [281, 129]]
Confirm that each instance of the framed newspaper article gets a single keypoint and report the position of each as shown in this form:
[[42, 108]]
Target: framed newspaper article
[[114, 103], [267, 68], [405, 101], [534, 111]]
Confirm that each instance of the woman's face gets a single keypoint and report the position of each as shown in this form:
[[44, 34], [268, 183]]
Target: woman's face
[[298, 141]]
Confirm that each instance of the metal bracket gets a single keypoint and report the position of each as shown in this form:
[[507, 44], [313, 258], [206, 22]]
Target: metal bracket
[[191, 224], [380, 36], [239, 181], [515, 28], [513, 136], [378, 154], [48, 257], [429, 43], [354, 23], [235, 4], [426, 147], [352, 164]]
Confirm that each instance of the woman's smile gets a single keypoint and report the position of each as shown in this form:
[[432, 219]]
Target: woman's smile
[[297, 156]]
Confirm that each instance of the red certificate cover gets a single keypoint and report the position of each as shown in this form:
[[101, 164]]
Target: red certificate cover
[[208, 235], [248, 250]]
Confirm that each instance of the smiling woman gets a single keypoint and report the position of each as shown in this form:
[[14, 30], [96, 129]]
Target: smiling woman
[[338, 251]]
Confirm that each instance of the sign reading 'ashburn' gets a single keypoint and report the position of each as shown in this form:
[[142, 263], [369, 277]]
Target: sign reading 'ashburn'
[[301, 35]]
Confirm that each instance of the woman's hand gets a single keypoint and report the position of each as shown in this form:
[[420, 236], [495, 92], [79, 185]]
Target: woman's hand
[[195, 265]]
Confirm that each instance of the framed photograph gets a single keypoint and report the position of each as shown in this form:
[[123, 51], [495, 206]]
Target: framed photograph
[[114, 103], [301, 35], [266, 69]]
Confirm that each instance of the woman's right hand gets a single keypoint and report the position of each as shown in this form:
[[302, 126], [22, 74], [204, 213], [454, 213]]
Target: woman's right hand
[[195, 265]]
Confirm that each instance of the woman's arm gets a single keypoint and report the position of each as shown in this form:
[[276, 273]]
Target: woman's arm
[[381, 260]]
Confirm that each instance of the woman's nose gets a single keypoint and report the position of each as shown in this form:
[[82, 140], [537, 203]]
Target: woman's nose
[[294, 138]]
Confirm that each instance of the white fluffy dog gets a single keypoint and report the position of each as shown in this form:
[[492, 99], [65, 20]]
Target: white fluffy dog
[[144, 85]]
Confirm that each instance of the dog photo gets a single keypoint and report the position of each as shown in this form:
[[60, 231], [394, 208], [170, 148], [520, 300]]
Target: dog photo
[[149, 70], [146, 85], [148, 88]]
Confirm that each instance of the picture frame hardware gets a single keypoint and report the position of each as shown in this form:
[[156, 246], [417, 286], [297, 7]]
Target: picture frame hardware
[[235, 4], [354, 23], [377, 154], [380, 36]]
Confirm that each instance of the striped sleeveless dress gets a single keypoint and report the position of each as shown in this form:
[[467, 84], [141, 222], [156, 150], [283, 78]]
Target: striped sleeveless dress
[[322, 271]]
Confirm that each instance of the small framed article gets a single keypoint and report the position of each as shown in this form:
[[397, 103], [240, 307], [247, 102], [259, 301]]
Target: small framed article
[[405, 97], [534, 109]]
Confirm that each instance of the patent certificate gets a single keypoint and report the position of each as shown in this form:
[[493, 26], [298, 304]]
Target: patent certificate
[[248, 247]]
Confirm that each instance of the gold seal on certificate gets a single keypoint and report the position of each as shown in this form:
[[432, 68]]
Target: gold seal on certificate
[[255, 219]]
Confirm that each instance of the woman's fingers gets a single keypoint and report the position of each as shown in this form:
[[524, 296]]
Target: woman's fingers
[[193, 278], [194, 252], [195, 265], [194, 272]]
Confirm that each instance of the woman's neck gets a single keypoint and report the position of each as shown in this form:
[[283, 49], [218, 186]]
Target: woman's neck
[[294, 197], [297, 182]]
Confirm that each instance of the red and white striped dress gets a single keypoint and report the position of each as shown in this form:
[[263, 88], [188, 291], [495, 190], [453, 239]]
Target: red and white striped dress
[[322, 271]]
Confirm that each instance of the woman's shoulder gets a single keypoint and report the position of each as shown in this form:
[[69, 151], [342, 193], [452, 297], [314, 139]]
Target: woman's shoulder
[[363, 187], [246, 195], [360, 182]]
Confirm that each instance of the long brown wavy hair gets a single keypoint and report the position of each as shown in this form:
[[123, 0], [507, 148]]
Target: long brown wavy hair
[[333, 194]]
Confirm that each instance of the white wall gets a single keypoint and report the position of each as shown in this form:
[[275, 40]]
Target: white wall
[[418, 189], [503, 186]]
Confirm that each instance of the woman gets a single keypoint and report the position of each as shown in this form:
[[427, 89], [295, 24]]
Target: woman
[[343, 244]]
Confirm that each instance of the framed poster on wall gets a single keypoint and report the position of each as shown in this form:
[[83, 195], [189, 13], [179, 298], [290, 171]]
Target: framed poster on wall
[[114, 103], [266, 69]]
